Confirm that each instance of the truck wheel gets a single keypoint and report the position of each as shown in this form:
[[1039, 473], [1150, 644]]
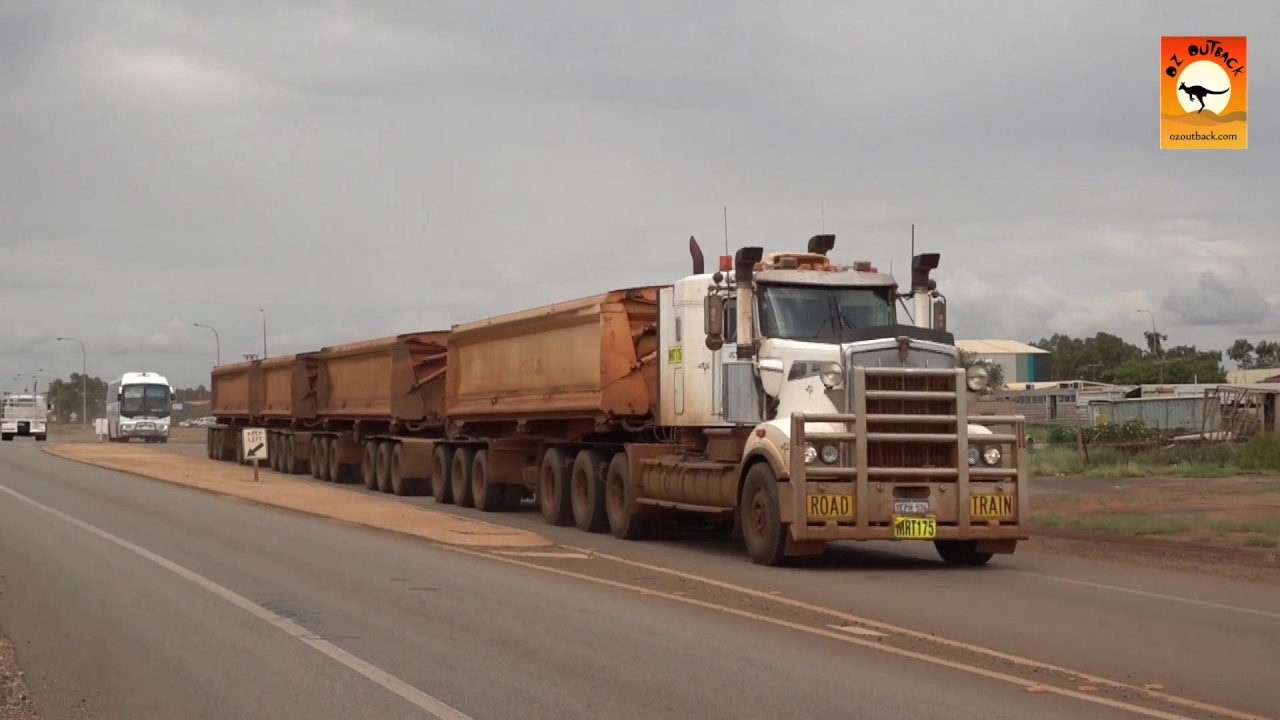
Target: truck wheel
[[487, 496], [553, 489], [512, 497], [961, 552], [626, 518], [400, 485], [40, 438], [460, 477], [587, 492], [441, 486], [290, 456], [327, 452], [383, 467], [6, 437], [317, 458], [762, 530], [369, 465]]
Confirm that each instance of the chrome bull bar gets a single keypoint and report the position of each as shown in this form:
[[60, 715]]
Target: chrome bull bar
[[949, 428]]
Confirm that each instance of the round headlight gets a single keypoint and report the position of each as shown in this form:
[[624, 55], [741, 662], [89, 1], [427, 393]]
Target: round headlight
[[831, 375], [973, 455], [830, 454], [991, 455], [977, 377], [810, 453]]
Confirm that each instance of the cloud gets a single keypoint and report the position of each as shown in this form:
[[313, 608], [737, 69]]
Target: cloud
[[1218, 300]]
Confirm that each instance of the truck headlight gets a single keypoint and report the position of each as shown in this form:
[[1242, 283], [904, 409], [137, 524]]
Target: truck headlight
[[832, 374], [976, 378], [830, 454], [991, 455], [973, 456]]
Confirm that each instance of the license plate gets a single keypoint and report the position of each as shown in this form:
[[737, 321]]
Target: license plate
[[914, 528], [911, 507], [830, 507], [146, 426], [992, 506]]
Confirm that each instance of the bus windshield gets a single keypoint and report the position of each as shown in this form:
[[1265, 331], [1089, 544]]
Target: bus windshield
[[145, 400], [808, 312]]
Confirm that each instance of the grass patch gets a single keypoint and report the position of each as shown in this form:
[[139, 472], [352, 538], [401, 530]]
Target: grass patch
[[1260, 455], [1260, 542], [1116, 523]]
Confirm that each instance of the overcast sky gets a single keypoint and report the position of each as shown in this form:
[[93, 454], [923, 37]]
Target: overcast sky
[[365, 168]]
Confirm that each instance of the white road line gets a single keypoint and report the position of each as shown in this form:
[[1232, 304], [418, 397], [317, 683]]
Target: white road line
[[1146, 593], [856, 630], [436, 708]]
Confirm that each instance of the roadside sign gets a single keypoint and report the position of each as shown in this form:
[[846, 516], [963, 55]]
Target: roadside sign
[[254, 441], [177, 406]]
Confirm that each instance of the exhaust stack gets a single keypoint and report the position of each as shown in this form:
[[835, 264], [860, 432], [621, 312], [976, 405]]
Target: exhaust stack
[[921, 286], [744, 265]]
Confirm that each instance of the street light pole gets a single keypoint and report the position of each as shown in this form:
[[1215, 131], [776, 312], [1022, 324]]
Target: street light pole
[[1155, 342], [264, 333], [217, 341], [84, 382]]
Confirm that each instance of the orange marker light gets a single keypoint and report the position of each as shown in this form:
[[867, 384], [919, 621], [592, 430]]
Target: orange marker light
[[726, 263]]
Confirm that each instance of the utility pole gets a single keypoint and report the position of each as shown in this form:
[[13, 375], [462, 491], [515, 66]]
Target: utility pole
[[84, 380], [264, 333]]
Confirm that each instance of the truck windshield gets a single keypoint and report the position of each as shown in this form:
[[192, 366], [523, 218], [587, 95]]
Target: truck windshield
[[807, 312], [149, 400]]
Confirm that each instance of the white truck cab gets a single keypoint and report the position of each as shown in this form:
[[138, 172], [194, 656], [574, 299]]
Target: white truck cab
[[854, 424]]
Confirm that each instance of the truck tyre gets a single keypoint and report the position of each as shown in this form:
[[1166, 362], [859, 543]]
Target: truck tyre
[[626, 518], [317, 457], [553, 489], [961, 552], [587, 492], [512, 497], [40, 438], [441, 464], [290, 456], [383, 467], [486, 495], [763, 532], [460, 477], [400, 485], [6, 437], [327, 458], [369, 465]]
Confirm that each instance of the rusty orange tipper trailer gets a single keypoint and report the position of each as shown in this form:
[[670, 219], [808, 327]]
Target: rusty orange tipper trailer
[[359, 411], [528, 390]]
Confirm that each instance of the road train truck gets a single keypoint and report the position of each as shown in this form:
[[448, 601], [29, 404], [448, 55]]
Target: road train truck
[[780, 395]]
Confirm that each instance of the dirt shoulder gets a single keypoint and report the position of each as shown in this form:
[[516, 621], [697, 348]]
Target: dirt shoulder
[[296, 494], [15, 701], [1227, 526]]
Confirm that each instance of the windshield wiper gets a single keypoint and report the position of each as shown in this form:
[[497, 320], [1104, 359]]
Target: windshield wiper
[[836, 319]]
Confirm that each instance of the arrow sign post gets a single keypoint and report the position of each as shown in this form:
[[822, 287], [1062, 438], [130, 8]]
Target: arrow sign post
[[254, 441]]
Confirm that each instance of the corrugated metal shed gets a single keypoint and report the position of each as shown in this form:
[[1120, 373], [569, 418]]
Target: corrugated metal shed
[[1164, 413], [999, 347]]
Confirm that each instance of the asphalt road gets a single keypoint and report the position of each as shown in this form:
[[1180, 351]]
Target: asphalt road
[[126, 597], [1213, 639]]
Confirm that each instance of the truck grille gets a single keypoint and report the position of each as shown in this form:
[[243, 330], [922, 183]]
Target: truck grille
[[882, 453]]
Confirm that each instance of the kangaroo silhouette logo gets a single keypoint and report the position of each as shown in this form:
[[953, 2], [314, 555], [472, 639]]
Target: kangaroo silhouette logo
[[1197, 92], [1203, 92]]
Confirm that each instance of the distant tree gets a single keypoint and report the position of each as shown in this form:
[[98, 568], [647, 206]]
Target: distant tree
[[1241, 352]]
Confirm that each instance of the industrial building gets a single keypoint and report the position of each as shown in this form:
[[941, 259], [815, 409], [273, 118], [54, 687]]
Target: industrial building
[[1022, 364]]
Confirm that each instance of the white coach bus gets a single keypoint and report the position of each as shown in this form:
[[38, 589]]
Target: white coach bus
[[138, 406]]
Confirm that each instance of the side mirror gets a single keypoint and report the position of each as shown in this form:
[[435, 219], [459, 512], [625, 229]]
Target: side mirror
[[713, 321]]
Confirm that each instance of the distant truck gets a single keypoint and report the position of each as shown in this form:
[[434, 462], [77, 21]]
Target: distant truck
[[24, 415], [139, 405], [780, 394]]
